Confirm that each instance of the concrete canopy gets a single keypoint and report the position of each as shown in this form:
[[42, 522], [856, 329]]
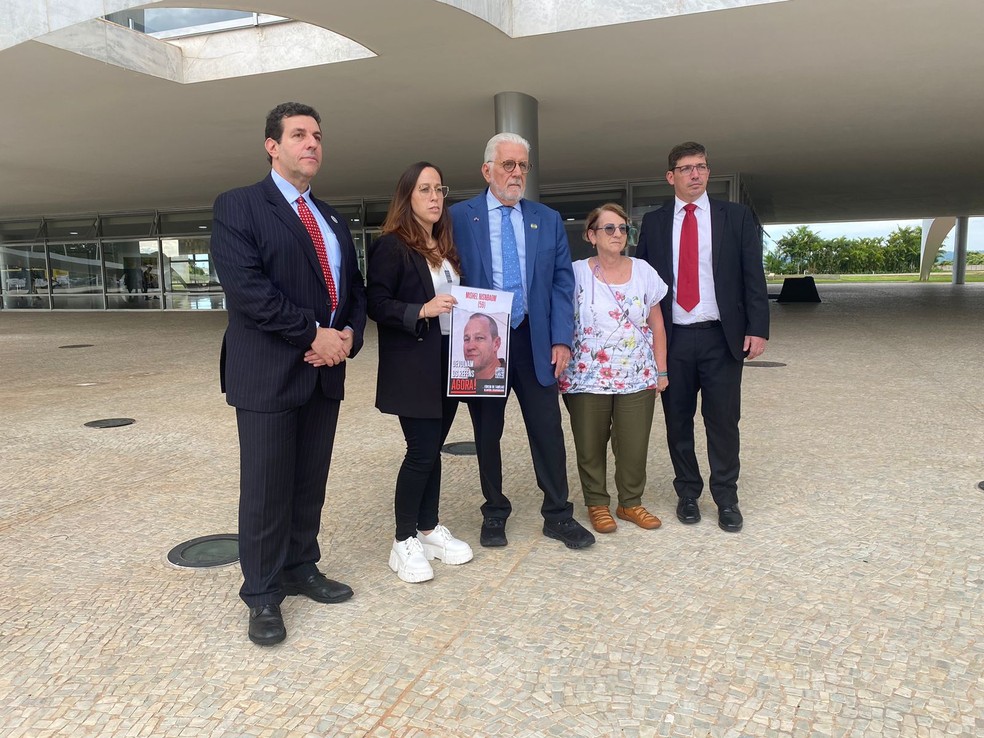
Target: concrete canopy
[[830, 109]]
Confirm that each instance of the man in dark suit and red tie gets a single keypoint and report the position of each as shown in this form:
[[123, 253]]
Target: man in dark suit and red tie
[[297, 311], [509, 243], [716, 314]]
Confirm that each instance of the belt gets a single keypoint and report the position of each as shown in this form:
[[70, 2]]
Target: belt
[[704, 324]]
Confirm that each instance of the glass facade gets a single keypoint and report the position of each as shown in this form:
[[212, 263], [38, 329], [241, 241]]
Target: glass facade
[[76, 276], [24, 279], [162, 260], [132, 269]]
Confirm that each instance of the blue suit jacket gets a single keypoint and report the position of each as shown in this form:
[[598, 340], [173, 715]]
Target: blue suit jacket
[[549, 275], [276, 296]]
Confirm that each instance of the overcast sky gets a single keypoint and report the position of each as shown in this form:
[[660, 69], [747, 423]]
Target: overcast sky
[[874, 228]]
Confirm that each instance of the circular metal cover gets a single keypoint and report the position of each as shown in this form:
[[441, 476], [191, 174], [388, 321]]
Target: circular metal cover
[[460, 448], [764, 363], [109, 422], [206, 552]]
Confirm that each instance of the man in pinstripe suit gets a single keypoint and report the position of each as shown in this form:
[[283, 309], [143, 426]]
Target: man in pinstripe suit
[[297, 310]]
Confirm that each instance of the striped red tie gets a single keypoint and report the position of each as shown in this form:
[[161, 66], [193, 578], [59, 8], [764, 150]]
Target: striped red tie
[[307, 218]]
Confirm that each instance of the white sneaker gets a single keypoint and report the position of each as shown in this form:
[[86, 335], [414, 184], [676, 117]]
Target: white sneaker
[[440, 544], [408, 561]]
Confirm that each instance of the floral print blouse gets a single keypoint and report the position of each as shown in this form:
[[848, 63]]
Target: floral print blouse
[[613, 345]]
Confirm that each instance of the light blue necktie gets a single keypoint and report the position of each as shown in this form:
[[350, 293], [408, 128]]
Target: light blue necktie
[[512, 276]]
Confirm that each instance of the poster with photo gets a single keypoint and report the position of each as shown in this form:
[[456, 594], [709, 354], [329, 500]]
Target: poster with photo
[[479, 343]]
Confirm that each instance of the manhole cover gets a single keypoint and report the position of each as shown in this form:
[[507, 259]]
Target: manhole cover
[[109, 423], [461, 448], [77, 345], [206, 552], [770, 364]]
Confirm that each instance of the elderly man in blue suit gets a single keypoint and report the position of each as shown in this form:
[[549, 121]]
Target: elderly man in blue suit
[[508, 243], [297, 310]]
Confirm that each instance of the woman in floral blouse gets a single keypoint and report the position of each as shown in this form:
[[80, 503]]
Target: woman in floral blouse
[[617, 367]]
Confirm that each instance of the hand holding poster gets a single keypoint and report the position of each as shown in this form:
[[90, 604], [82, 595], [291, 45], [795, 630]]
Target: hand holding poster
[[479, 343]]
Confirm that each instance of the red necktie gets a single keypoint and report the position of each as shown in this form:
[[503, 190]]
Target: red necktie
[[307, 218], [688, 284]]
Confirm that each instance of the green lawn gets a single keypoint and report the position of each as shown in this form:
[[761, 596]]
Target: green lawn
[[972, 276]]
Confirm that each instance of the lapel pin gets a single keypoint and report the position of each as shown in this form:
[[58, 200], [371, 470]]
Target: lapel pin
[[475, 219], [533, 226], [334, 220]]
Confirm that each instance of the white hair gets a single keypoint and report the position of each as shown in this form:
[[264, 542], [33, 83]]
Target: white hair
[[502, 138]]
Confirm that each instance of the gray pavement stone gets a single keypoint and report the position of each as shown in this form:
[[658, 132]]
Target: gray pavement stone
[[849, 606]]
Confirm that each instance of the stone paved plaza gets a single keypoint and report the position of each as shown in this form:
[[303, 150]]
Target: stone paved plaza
[[850, 605]]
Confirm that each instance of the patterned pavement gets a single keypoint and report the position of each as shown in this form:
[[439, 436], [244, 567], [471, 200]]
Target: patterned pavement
[[850, 605]]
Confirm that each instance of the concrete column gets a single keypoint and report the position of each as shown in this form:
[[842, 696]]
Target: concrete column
[[934, 230], [516, 112], [960, 251]]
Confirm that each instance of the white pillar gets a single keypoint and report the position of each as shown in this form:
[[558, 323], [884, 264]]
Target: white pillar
[[933, 233], [960, 251]]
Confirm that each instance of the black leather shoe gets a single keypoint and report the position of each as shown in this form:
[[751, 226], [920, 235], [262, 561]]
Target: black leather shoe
[[266, 625], [688, 511], [729, 518], [319, 588], [493, 533], [570, 532]]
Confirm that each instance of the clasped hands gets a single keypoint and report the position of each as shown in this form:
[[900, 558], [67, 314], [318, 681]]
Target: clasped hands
[[329, 347]]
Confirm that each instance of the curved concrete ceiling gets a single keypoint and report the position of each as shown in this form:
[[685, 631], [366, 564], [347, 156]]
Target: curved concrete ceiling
[[831, 109]]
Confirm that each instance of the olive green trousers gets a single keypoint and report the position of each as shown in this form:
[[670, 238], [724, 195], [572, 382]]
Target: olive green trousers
[[626, 420]]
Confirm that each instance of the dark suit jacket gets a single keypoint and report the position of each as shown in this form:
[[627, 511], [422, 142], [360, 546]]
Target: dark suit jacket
[[409, 379], [549, 275], [736, 258], [275, 293]]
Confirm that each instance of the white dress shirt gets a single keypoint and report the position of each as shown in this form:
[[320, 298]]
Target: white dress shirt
[[332, 247], [707, 308], [495, 239]]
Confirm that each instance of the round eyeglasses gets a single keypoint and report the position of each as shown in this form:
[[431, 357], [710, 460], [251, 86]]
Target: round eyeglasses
[[510, 164]]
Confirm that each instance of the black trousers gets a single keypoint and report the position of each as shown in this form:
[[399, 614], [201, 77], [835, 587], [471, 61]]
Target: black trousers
[[418, 484], [699, 361], [541, 414], [283, 464]]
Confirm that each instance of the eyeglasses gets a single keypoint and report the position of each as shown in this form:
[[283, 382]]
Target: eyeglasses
[[688, 168], [510, 164], [427, 190], [610, 229]]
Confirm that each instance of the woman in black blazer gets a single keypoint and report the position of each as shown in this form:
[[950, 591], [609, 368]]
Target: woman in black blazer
[[411, 269]]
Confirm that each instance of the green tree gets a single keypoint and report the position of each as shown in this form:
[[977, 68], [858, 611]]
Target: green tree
[[902, 250], [840, 250], [870, 255], [797, 249], [774, 264]]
